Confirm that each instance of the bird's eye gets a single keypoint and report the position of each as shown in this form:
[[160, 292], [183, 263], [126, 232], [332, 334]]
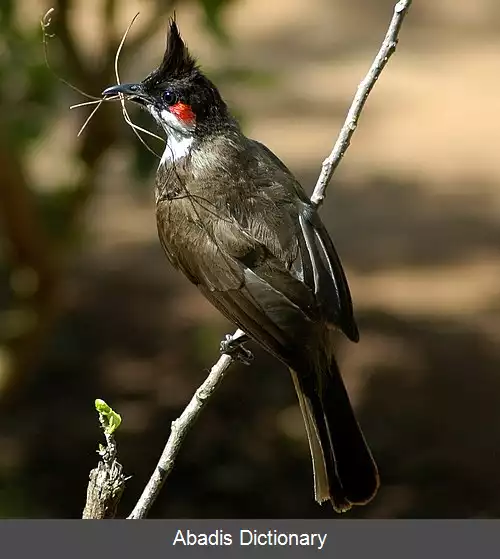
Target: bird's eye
[[169, 97]]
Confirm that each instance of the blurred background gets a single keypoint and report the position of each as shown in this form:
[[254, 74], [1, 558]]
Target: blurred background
[[89, 306]]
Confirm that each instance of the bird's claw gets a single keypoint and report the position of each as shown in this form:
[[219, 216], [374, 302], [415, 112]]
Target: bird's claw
[[234, 347]]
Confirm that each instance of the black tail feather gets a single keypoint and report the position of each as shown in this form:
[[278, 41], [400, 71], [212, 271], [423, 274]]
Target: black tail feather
[[344, 470]]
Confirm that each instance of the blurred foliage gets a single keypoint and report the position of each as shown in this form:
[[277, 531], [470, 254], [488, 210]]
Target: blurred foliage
[[213, 10], [27, 90], [42, 215], [39, 225]]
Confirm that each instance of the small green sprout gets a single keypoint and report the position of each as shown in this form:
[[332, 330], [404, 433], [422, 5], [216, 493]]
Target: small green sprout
[[110, 420]]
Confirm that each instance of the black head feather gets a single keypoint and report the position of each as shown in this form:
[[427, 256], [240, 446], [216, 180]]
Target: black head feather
[[179, 73], [177, 62]]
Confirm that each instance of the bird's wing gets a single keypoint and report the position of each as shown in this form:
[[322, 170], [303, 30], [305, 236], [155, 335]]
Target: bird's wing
[[272, 277], [326, 274], [318, 264], [253, 288]]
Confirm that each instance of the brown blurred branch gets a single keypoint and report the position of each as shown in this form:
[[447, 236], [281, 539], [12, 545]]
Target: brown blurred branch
[[30, 248], [77, 64], [183, 424], [344, 138]]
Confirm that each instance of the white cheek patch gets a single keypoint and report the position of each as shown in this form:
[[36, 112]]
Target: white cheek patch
[[179, 135], [169, 121]]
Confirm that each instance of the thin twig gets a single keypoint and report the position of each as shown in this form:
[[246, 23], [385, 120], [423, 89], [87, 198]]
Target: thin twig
[[87, 103], [344, 138], [89, 118], [45, 23], [181, 426], [126, 116]]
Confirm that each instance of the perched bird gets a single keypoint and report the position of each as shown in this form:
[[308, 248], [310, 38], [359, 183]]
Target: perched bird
[[236, 222]]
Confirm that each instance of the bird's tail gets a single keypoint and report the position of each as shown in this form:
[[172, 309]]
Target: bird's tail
[[344, 470]]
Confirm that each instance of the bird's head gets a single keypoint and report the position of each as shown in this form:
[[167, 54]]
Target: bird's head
[[178, 95]]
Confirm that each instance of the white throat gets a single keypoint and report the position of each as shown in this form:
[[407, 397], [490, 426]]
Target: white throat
[[177, 146], [179, 136]]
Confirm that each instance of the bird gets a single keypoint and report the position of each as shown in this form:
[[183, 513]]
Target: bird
[[237, 223]]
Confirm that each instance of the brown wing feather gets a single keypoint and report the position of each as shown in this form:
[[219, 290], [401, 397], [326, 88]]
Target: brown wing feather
[[247, 283]]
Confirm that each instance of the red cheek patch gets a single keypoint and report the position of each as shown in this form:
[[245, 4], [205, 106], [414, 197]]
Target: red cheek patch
[[183, 112]]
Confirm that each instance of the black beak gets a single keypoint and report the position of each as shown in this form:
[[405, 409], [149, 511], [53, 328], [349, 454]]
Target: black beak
[[133, 91]]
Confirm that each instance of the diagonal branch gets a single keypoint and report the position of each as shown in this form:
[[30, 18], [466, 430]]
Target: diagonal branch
[[181, 426], [364, 88]]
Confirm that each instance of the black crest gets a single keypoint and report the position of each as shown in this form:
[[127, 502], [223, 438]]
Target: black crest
[[179, 70], [177, 62]]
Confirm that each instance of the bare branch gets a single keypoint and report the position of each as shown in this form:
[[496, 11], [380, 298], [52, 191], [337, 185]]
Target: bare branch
[[181, 426], [104, 490], [388, 47]]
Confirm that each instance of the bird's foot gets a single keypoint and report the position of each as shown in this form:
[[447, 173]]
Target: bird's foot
[[233, 345]]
